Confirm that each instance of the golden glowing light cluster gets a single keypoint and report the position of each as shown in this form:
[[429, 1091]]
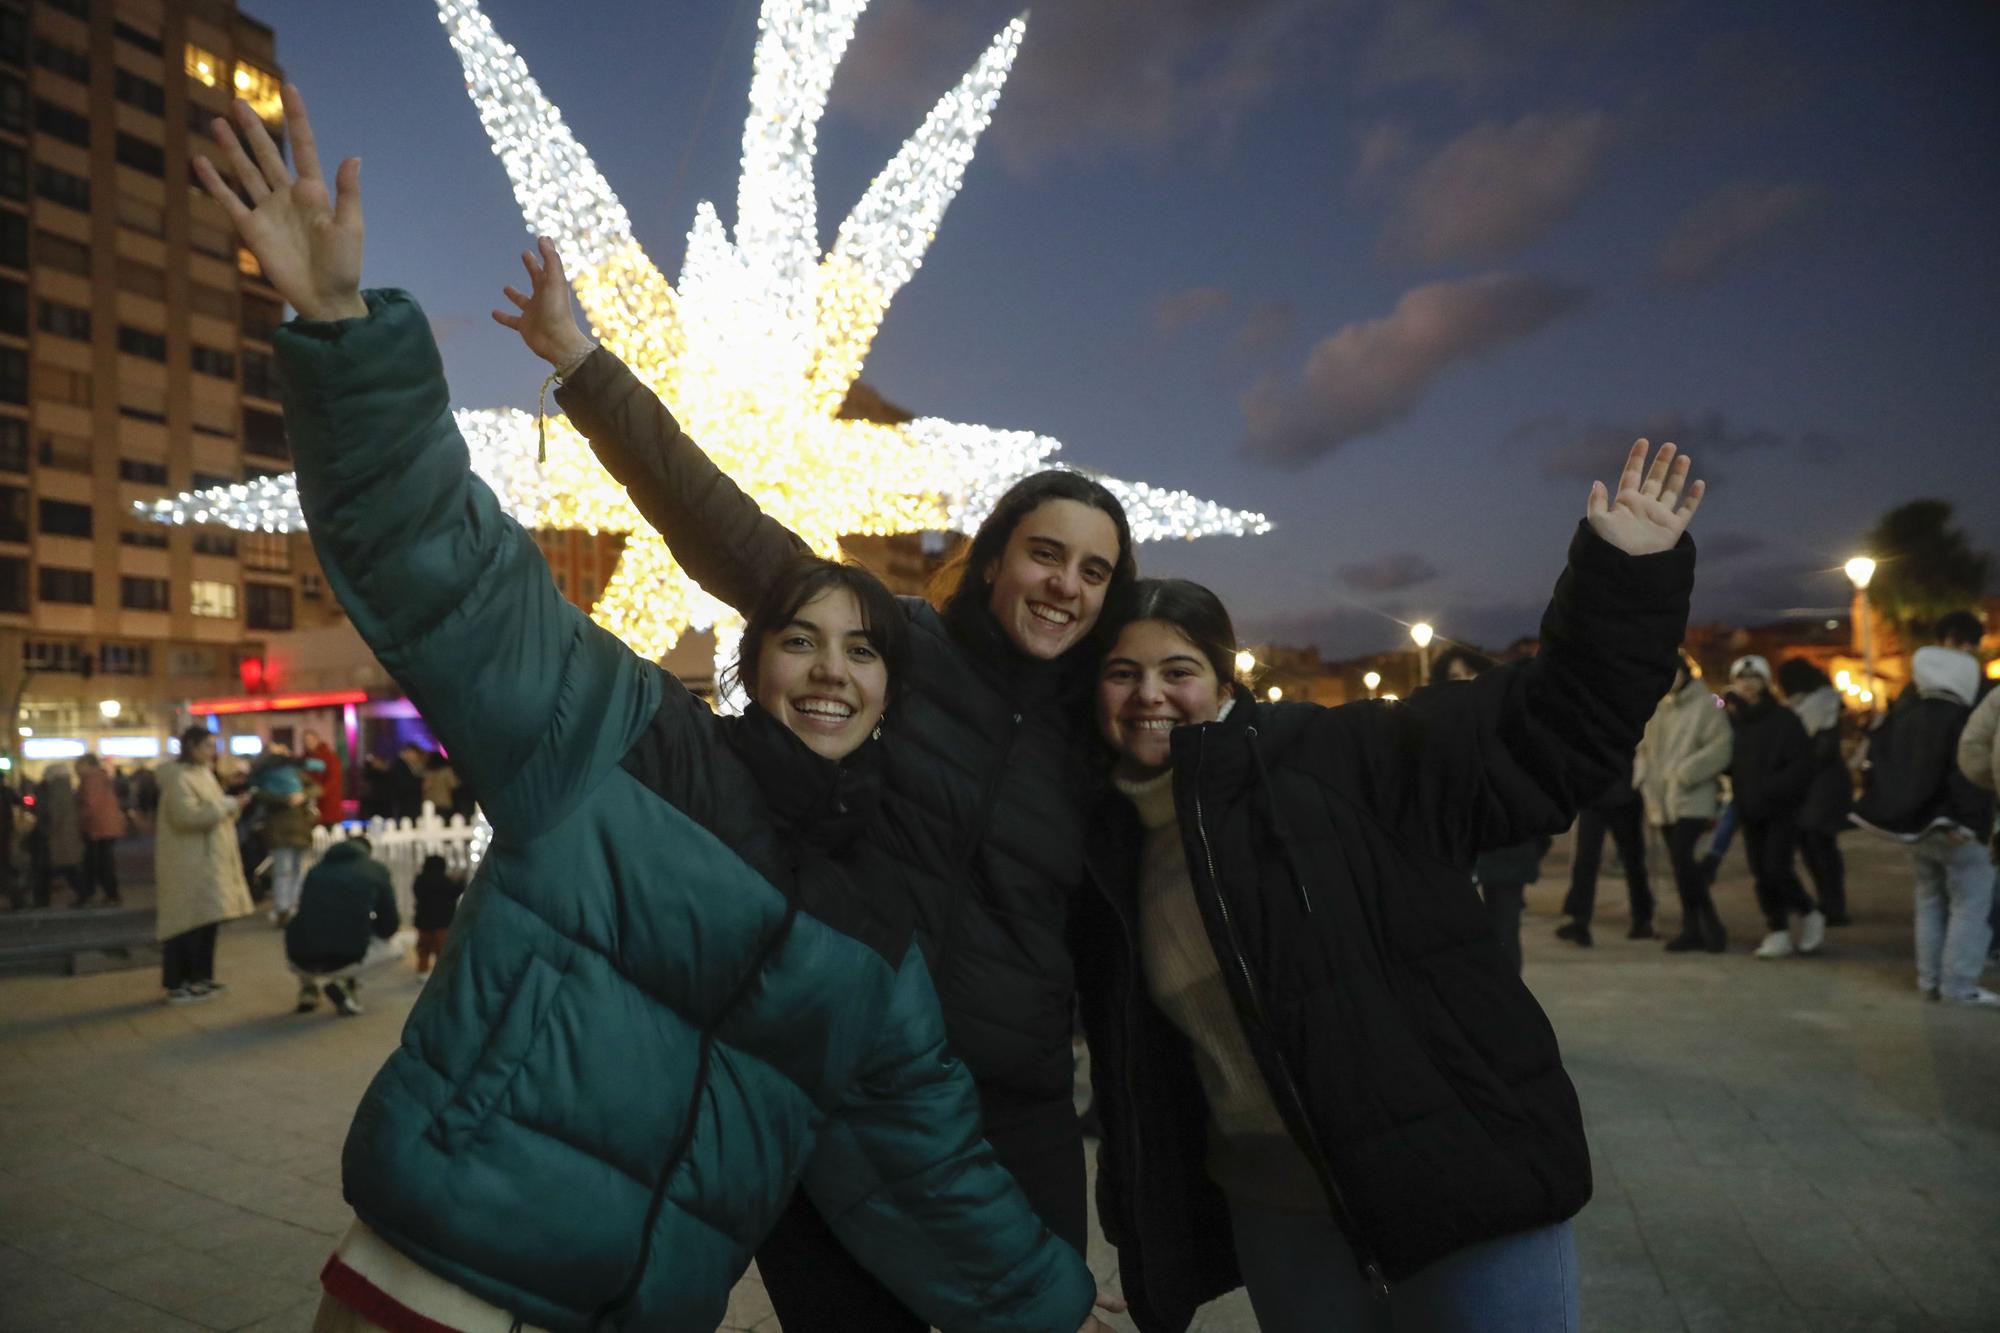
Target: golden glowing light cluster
[[756, 348]]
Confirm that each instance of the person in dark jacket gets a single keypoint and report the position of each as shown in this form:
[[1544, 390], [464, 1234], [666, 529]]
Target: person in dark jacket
[[1914, 790], [436, 892], [1830, 793], [985, 766], [1619, 811], [686, 986], [343, 928], [1770, 770], [1320, 1074], [1502, 874]]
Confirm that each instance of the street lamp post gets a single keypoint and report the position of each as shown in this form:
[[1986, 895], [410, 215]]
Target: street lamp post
[[1420, 634], [1861, 569], [1373, 680], [1245, 664]]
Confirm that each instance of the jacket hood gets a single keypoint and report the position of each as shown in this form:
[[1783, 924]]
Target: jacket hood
[[1818, 710], [1947, 671], [347, 849]]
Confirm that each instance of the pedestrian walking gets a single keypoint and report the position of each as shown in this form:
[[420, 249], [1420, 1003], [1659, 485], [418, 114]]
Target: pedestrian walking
[[436, 892], [344, 927], [1678, 770], [1830, 791], [984, 791], [59, 834], [1915, 790], [332, 791], [688, 983], [1770, 770], [1320, 1075], [1621, 812], [197, 868], [103, 823], [289, 802]]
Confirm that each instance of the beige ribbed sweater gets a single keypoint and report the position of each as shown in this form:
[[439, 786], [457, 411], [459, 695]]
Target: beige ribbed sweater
[[1250, 1153]]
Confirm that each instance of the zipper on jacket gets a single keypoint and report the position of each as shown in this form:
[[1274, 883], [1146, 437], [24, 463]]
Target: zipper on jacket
[[1371, 1268], [960, 880]]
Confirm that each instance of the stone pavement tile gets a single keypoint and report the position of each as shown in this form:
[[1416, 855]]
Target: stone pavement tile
[[1228, 1314], [171, 1279], [1614, 1310], [1714, 1307], [1949, 1272], [1862, 1321], [54, 1300], [78, 1240], [748, 1305], [292, 1319], [247, 1299]]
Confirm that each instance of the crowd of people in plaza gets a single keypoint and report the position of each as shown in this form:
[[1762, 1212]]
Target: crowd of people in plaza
[[800, 983], [1777, 758]]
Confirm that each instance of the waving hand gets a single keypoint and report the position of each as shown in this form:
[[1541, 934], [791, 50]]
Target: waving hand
[[1652, 506], [309, 245]]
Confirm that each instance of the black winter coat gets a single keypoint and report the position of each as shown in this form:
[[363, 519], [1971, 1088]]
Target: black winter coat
[[982, 755], [1772, 765], [1912, 778], [1327, 849], [1830, 791]]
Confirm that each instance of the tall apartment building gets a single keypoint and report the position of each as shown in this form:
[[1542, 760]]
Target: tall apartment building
[[134, 361]]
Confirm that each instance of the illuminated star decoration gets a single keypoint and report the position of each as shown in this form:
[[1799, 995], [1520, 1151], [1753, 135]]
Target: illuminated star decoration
[[757, 347]]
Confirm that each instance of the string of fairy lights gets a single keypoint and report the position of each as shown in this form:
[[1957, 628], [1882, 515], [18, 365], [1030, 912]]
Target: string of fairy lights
[[755, 348]]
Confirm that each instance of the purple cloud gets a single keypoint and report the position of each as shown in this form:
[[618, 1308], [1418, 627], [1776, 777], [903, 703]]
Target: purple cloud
[[1727, 227], [1375, 372]]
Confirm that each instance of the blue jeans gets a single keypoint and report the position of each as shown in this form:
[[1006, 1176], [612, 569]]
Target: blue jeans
[[288, 874], [1302, 1278], [1954, 896]]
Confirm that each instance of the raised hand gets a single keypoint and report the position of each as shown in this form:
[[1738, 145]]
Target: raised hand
[[1652, 506], [309, 246], [546, 322]]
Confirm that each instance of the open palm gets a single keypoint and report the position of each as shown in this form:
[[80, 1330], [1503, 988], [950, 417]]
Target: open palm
[[1652, 506], [308, 244]]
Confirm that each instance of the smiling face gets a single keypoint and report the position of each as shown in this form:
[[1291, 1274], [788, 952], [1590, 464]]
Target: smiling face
[[821, 676], [1153, 680], [1049, 584]]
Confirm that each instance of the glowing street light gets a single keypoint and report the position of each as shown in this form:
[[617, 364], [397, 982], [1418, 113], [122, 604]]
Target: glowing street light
[[110, 709], [1860, 570], [1420, 634], [1373, 680], [1274, 694], [1245, 663]]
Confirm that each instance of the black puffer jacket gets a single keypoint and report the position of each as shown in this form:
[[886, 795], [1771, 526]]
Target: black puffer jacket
[[1772, 765], [1912, 780], [982, 766], [1327, 849]]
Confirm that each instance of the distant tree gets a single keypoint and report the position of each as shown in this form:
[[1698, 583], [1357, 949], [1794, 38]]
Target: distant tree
[[1924, 566]]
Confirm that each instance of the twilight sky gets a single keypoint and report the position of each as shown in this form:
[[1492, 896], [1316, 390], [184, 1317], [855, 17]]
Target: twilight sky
[[1403, 276]]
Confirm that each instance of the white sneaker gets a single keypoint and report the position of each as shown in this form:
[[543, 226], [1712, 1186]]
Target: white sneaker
[[1812, 931], [1777, 944], [1980, 996]]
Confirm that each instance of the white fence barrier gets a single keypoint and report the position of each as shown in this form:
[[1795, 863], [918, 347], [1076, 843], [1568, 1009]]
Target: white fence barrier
[[402, 845]]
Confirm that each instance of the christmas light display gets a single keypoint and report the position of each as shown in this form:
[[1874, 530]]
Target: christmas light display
[[756, 348]]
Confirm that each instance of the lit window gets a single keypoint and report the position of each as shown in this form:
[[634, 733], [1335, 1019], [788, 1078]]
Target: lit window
[[214, 600], [204, 67], [260, 90]]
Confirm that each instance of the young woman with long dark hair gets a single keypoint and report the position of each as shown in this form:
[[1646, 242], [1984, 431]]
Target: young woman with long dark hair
[[1318, 1071], [983, 778]]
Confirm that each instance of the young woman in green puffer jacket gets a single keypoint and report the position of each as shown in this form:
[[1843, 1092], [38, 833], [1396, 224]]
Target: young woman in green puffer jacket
[[672, 994]]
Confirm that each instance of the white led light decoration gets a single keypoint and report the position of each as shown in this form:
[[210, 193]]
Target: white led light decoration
[[756, 348]]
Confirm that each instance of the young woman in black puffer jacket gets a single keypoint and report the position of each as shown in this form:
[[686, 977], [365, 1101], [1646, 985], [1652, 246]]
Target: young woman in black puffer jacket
[[1319, 1073]]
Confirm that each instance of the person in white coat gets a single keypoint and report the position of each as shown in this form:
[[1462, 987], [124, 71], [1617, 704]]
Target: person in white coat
[[197, 869], [1678, 770]]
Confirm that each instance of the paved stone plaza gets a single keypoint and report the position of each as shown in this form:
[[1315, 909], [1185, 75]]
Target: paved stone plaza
[[1796, 1145]]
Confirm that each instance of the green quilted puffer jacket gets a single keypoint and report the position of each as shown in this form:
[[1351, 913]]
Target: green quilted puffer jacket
[[671, 996]]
